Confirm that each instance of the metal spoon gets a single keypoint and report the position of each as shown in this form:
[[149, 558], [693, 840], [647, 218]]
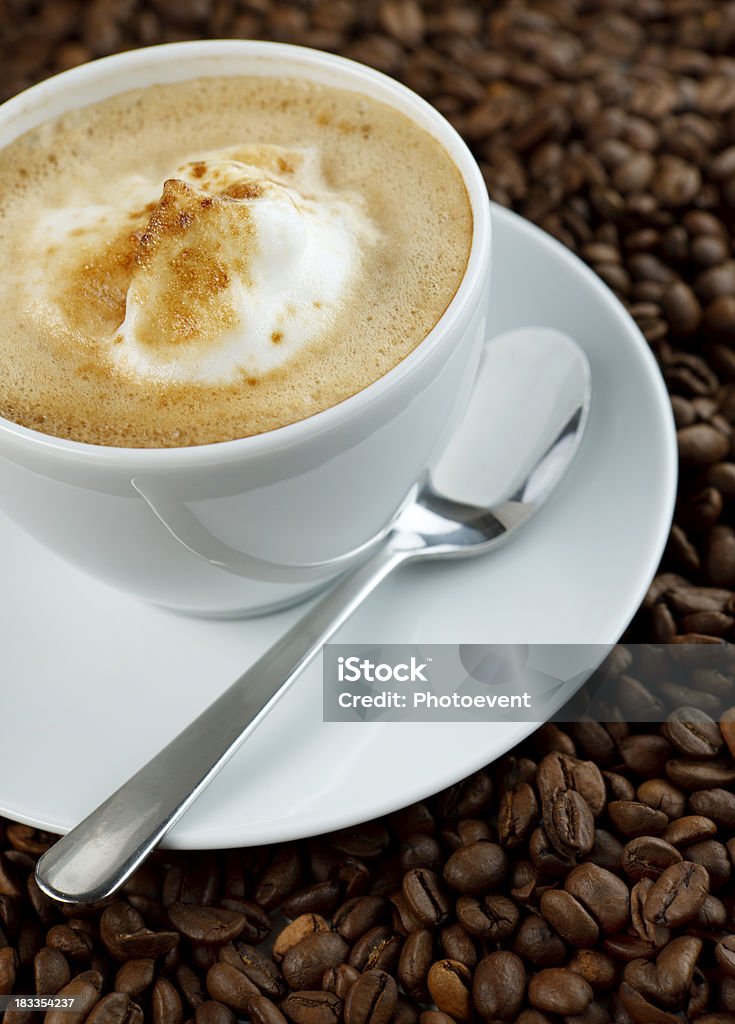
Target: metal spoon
[[536, 391]]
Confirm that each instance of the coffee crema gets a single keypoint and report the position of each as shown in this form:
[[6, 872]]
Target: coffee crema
[[212, 259]]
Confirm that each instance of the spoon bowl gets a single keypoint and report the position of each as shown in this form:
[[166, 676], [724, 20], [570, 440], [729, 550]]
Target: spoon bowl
[[542, 381], [543, 427]]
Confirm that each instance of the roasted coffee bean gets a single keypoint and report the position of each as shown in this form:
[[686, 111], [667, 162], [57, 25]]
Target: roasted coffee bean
[[677, 894], [263, 973], [423, 891], [116, 1008], [229, 986], [597, 969], [645, 754], [420, 851], [339, 979], [75, 945], [466, 831], [365, 841], [280, 879], [725, 955], [475, 868], [305, 963], [534, 941], [414, 963], [450, 986], [134, 977], [675, 966], [625, 948], [654, 933], [662, 796], [710, 919], [633, 818], [416, 819], [559, 990], [125, 936], [41, 904], [525, 881], [312, 1008], [716, 804], [191, 986], [492, 919], [213, 1012], [569, 823], [166, 1005], [300, 928], [689, 830], [406, 1011], [85, 990], [602, 893], [372, 999], [257, 922], [593, 740], [546, 858], [211, 926], [435, 1017], [713, 857], [378, 948], [498, 986], [195, 881], [560, 772], [458, 944], [9, 964], [358, 916], [606, 851], [569, 918], [386, 878], [404, 921], [693, 732], [466, 798], [647, 857], [638, 1008], [517, 815], [263, 1011], [50, 969], [694, 775], [320, 898]]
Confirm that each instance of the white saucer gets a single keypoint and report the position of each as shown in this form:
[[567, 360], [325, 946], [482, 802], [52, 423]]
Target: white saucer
[[92, 683]]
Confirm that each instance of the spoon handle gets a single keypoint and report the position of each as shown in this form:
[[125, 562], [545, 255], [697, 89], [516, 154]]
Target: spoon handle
[[96, 857]]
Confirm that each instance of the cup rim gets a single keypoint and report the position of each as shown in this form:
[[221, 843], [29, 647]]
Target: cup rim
[[392, 92]]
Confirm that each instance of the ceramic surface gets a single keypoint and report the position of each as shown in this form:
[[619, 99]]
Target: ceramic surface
[[255, 523]]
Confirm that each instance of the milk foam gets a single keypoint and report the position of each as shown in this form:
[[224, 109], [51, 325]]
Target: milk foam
[[246, 259], [165, 284]]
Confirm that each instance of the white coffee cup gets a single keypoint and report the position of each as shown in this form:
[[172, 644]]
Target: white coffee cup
[[246, 526]]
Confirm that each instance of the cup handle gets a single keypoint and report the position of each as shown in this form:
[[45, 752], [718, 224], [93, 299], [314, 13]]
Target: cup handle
[[185, 528]]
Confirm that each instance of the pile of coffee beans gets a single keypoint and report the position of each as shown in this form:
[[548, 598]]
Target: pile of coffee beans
[[586, 877]]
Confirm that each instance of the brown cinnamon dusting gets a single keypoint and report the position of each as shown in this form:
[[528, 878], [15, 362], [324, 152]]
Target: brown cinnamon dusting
[[176, 265], [277, 337], [182, 268], [244, 190], [94, 298]]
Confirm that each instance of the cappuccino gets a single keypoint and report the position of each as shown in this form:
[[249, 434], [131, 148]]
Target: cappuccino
[[216, 258]]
